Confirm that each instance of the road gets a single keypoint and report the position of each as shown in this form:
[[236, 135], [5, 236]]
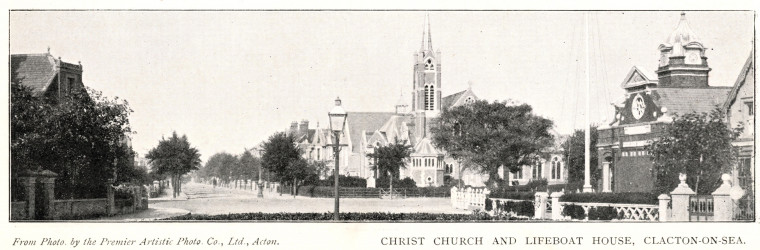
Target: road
[[205, 199]]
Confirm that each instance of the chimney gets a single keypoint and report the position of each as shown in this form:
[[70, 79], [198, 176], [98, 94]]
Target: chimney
[[303, 127], [293, 128]]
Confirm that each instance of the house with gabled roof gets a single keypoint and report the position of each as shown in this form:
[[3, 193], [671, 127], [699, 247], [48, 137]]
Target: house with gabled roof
[[740, 112], [649, 104], [46, 76]]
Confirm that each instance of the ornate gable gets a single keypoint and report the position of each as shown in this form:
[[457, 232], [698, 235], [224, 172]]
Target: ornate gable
[[637, 77]]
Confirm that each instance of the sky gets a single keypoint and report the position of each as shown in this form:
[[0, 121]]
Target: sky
[[230, 79]]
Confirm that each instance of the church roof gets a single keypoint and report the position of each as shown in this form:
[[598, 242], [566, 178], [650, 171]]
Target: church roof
[[638, 77], [35, 71], [449, 100], [687, 100], [425, 147], [683, 34], [396, 127], [358, 122]]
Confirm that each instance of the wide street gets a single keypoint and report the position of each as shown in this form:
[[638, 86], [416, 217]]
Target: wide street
[[205, 199]]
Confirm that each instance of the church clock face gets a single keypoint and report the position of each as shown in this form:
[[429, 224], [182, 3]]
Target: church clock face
[[692, 58], [638, 107]]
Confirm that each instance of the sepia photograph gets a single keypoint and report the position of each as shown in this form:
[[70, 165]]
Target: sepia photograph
[[381, 116]]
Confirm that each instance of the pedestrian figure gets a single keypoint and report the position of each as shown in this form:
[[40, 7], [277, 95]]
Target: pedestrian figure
[[214, 182]]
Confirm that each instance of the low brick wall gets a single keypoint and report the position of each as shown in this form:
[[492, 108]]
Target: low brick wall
[[80, 208], [18, 210]]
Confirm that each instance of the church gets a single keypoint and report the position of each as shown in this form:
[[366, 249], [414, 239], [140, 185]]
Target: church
[[680, 86], [428, 166]]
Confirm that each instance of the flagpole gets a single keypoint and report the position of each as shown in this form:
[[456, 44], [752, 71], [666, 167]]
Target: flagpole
[[587, 134]]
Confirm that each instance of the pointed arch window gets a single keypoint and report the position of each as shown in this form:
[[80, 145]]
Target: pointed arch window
[[537, 169], [429, 97]]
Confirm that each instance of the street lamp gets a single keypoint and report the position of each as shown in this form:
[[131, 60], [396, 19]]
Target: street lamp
[[260, 184], [337, 121]]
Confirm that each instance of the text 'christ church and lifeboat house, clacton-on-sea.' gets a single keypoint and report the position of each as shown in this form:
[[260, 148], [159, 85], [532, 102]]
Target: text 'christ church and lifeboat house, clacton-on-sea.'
[[410, 124], [680, 86]]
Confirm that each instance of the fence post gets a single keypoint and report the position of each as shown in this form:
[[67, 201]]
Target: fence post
[[663, 210], [680, 200], [556, 208], [723, 208], [483, 198], [540, 212], [453, 197]]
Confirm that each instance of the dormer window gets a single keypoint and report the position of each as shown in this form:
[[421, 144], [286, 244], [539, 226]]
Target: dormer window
[[429, 64]]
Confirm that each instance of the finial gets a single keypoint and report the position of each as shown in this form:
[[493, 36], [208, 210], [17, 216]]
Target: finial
[[337, 101], [48, 50], [469, 85]]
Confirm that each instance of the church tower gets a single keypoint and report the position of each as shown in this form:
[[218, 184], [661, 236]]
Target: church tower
[[682, 59], [426, 94]]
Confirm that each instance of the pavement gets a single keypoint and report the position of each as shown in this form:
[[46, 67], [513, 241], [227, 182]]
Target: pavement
[[199, 198]]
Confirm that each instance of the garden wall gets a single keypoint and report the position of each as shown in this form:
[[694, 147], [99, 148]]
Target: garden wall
[[80, 208]]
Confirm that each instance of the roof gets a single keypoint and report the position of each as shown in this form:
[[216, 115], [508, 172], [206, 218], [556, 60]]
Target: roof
[[35, 71], [683, 34], [449, 100], [364, 121], [638, 77], [740, 80], [687, 100], [396, 128], [425, 147]]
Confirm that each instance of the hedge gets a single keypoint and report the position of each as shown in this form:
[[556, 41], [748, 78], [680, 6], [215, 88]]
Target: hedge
[[595, 213], [523, 208], [528, 195], [374, 216], [328, 192], [624, 198]]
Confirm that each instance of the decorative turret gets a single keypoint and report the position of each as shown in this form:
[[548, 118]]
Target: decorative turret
[[682, 59]]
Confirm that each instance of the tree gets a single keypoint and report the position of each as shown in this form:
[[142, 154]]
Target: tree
[[80, 137], [574, 152], [492, 135], [174, 157], [390, 159], [698, 145], [250, 166], [283, 158], [223, 166]]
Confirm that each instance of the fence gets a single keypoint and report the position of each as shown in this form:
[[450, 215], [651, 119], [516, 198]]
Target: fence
[[682, 204], [40, 204]]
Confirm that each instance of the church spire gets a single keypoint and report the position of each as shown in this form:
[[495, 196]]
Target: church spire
[[427, 38]]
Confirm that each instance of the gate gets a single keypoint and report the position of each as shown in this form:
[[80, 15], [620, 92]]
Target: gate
[[744, 208], [701, 208]]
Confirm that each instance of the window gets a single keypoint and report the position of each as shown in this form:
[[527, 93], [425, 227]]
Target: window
[[429, 65], [72, 84], [750, 108], [429, 97], [537, 170], [469, 100], [556, 169], [519, 173]]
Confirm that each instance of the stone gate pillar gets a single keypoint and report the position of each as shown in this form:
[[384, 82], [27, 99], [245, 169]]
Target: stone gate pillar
[[723, 208], [680, 202], [110, 196], [28, 183], [663, 208], [540, 205], [556, 208], [47, 178]]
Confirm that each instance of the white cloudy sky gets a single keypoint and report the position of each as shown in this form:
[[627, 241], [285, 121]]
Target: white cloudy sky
[[228, 80]]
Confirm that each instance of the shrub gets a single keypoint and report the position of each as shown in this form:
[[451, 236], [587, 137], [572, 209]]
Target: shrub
[[345, 181], [574, 211], [528, 195], [537, 184], [625, 198], [373, 216], [489, 206], [382, 182], [604, 213], [524, 208]]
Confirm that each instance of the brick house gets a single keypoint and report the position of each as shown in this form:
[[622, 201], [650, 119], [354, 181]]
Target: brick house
[[650, 102]]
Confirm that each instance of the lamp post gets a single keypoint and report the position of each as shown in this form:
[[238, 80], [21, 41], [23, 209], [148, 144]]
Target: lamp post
[[260, 184], [337, 120]]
